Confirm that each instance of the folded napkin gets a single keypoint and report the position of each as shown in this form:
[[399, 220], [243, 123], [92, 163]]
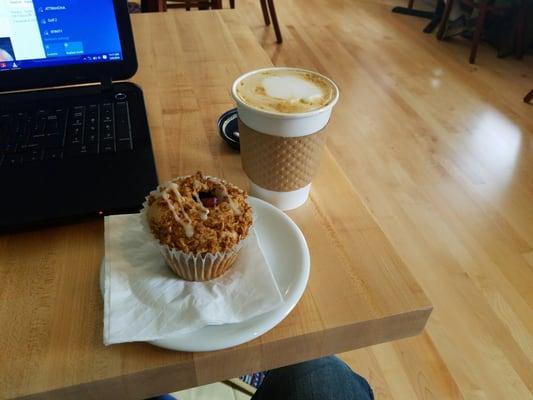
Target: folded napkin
[[144, 300]]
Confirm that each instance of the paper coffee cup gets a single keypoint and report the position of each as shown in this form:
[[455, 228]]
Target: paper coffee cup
[[281, 147]]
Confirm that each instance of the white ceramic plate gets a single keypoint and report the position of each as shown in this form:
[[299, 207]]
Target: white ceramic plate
[[287, 254]]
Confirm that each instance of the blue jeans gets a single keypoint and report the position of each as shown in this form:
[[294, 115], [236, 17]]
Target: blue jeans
[[326, 378]]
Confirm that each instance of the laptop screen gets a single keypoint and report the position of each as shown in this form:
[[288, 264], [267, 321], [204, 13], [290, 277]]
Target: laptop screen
[[48, 33]]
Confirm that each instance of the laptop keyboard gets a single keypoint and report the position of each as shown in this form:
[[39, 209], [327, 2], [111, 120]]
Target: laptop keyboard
[[64, 132]]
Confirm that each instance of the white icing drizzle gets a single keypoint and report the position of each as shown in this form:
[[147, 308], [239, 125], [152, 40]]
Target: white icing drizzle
[[223, 192], [187, 226], [205, 211], [175, 189]]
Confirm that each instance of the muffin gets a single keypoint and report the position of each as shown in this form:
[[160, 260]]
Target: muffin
[[200, 223]]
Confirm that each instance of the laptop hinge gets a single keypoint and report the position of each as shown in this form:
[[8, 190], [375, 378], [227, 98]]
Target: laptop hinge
[[106, 84]]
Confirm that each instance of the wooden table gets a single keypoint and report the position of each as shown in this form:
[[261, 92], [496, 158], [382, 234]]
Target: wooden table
[[359, 293]]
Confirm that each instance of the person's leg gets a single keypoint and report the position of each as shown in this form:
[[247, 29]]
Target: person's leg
[[326, 378]]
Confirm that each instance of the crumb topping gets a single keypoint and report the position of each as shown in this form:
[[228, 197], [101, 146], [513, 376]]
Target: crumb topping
[[199, 214]]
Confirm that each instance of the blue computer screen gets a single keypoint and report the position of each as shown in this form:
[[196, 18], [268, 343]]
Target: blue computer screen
[[45, 33]]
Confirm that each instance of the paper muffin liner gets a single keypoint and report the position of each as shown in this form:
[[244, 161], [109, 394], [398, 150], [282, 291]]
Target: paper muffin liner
[[189, 266]]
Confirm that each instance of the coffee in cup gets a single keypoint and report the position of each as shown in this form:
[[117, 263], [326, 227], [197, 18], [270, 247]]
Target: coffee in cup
[[282, 116]]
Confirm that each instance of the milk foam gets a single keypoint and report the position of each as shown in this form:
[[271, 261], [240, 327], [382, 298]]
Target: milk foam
[[285, 90], [291, 88]]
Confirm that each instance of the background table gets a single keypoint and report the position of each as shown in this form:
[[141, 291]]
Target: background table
[[359, 293]]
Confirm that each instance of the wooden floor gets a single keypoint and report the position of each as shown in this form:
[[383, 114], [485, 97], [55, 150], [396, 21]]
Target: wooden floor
[[441, 152]]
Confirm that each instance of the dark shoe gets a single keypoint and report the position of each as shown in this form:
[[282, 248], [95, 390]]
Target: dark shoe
[[163, 397]]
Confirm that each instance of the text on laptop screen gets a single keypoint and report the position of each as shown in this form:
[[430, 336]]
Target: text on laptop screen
[[46, 33]]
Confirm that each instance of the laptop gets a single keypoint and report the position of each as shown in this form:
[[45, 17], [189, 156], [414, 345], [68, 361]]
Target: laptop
[[78, 150]]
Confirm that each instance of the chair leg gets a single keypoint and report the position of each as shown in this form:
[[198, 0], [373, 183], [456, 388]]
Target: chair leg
[[483, 4], [265, 12], [232, 3], [445, 18], [528, 97], [411, 3], [275, 22], [153, 6]]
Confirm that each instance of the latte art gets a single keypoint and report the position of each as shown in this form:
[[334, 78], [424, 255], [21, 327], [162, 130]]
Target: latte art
[[287, 91]]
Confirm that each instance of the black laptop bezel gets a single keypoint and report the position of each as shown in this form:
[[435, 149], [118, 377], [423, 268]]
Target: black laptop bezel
[[33, 78]]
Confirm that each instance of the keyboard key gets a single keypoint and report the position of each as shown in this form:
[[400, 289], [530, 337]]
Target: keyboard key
[[91, 124], [4, 123], [77, 121], [107, 131], [107, 146], [19, 124], [19, 130], [32, 156], [4, 120], [31, 146], [35, 141], [30, 124], [53, 154], [12, 160], [122, 121], [60, 112], [75, 130], [39, 125], [53, 141], [91, 137], [124, 145], [75, 135], [4, 131], [106, 112], [82, 150], [78, 111], [88, 149], [77, 116], [52, 125], [21, 139], [11, 147]]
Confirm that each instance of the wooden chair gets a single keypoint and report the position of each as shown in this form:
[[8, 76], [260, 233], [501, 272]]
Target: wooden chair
[[485, 8], [269, 12], [188, 4], [163, 5], [267, 6]]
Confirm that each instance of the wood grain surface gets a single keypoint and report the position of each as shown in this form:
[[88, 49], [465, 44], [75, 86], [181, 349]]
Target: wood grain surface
[[441, 153], [360, 292]]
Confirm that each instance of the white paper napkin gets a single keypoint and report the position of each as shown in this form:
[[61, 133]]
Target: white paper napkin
[[143, 299]]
